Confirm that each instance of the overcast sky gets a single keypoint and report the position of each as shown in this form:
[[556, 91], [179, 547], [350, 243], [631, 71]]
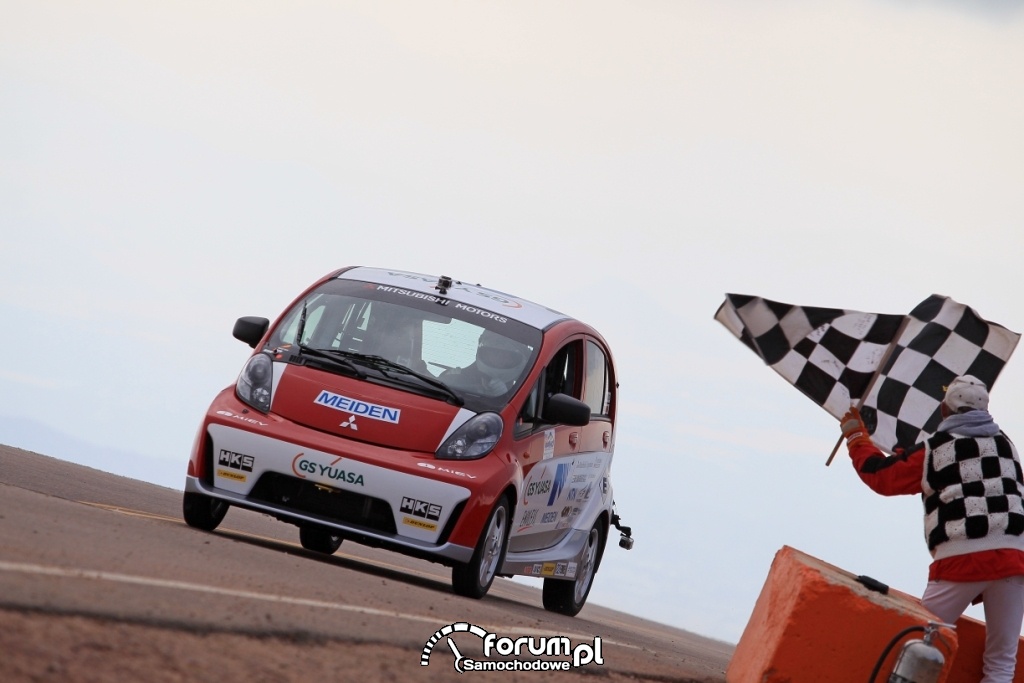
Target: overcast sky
[[166, 167]]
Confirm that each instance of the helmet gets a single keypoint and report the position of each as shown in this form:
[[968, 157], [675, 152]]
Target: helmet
[[500, 358]]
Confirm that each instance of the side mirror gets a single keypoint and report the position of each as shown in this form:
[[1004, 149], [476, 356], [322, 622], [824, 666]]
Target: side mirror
[[250, 329], [566, 410]]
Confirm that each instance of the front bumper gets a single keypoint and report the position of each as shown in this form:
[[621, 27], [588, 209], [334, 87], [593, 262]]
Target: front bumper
[[405, 501], [444, 551]]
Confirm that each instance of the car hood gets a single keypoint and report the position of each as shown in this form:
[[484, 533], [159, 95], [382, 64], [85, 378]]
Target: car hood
[[364, 411]]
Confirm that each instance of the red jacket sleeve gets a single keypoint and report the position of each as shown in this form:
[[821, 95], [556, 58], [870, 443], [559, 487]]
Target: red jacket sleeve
[[889, 475]]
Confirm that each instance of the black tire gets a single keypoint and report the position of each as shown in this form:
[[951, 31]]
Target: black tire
[[568, 597], [319, 539], [474, 578], [203, 512]]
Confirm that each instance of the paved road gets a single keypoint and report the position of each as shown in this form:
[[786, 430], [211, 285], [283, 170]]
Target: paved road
[[77, 541]]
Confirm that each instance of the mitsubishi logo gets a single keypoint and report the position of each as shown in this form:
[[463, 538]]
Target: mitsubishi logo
[[350, 423]]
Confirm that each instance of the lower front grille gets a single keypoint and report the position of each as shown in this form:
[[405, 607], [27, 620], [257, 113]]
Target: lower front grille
[[330, 503]]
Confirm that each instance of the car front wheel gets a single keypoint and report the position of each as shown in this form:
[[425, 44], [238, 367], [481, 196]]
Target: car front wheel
[[319, 539], [568, 597], [474, 578], [203, 512]]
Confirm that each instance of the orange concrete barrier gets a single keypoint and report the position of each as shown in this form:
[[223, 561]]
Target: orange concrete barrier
[[816, 623]]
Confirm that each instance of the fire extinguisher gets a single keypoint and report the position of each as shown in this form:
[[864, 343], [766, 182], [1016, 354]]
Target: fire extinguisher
[[920, 661]]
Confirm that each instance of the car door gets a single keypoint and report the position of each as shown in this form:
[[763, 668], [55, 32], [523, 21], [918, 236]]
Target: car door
[[564, 466]]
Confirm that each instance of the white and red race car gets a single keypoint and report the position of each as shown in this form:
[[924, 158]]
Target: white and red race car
[[427, 416]]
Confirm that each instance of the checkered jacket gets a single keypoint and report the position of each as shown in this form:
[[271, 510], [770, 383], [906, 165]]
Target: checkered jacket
[[973, 492]]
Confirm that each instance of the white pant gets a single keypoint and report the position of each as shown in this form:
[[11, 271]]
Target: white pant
[[1004, 611]]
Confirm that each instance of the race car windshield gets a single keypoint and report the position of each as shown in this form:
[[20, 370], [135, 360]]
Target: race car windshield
[[482, 357]]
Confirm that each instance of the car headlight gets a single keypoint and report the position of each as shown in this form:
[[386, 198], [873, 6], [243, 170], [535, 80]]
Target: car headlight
[[475, 439], [255, 382]]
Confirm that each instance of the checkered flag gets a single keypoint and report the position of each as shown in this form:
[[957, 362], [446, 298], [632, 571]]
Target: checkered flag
[[896, 367], [829, 354], [942, 340]]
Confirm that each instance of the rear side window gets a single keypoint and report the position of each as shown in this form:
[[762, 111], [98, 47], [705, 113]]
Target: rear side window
[[597, 391]]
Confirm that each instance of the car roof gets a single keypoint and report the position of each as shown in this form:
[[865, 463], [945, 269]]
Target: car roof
[[460, 292]]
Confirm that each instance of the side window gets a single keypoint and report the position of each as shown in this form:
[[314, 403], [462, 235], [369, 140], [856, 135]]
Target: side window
[[563, 373], [597, 390], [562, 376]]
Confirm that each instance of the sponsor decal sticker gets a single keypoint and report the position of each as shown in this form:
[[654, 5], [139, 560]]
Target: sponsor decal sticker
[[419, 523], [549, 569], [481, 312], [238, 461], [354, 407], [228, 474], [536, 488], [303, 465], [580, 495], [242, 418], [420, 508], [542, 484], [528, 519], [538, 485], [415, 295], [446, 470], [501, 653], [568, 516], [560, 475], [549, 444]]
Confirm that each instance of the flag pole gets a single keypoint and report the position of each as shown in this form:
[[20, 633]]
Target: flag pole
[[874, 378], [835, 450]]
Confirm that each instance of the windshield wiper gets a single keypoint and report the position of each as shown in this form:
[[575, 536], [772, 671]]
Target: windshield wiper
[[325, 356], [302, 325], [321, 354], [383, 365]]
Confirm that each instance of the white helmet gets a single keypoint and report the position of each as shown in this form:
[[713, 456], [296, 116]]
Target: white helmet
[[500, 359]]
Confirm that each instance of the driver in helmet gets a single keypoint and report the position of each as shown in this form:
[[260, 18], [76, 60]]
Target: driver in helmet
[[499, 362]]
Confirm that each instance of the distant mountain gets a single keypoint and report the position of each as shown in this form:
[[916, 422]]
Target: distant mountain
[[31, 435]]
